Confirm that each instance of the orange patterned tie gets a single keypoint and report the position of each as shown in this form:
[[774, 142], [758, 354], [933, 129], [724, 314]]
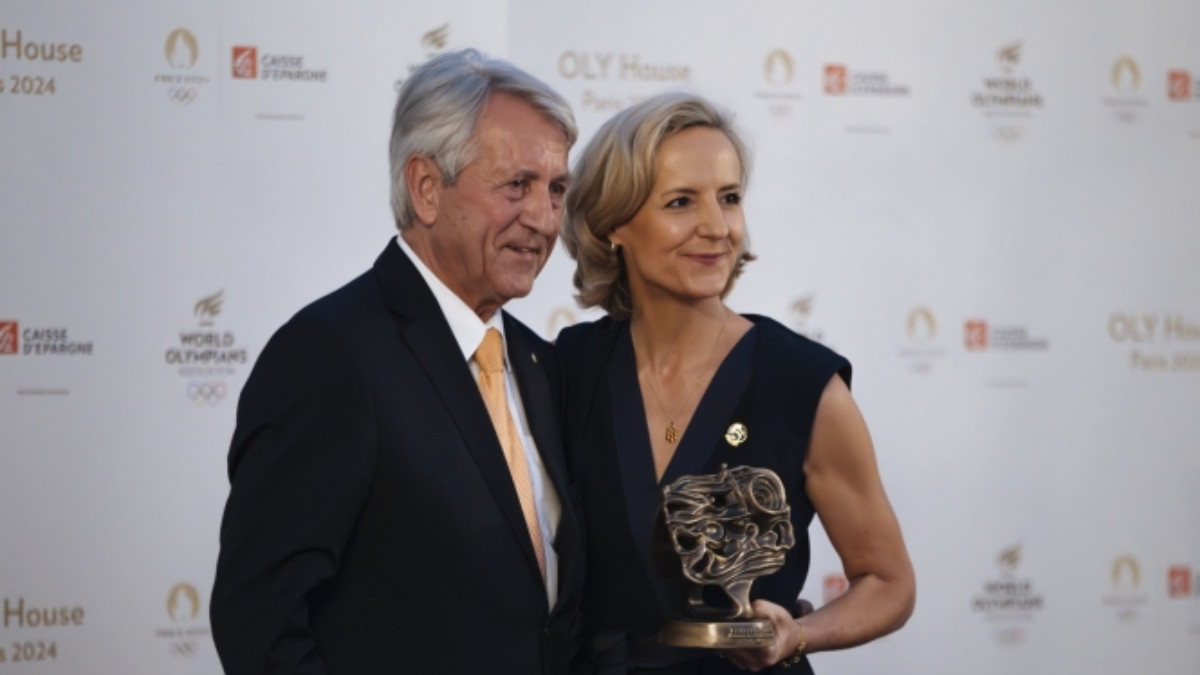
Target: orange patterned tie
[[490, 357]]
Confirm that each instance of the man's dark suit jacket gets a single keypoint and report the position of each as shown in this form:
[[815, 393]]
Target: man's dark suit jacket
[[372, 525]]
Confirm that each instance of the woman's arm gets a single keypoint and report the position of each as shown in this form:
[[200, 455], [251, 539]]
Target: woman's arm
[[842, 480], [844, 485]]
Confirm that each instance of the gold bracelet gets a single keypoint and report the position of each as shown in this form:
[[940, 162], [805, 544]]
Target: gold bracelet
[[799, 653]]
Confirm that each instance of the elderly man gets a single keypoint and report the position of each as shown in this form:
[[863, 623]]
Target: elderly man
[[398, 497]]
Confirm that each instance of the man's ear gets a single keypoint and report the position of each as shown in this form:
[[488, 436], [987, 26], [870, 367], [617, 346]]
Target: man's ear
[[422, 177]]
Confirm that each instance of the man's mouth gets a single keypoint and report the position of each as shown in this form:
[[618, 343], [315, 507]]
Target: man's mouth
[[525, 249]]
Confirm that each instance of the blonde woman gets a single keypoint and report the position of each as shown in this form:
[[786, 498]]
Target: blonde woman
[[655, 224]]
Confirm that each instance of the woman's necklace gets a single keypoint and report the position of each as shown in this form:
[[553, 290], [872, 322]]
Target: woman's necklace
[[672, 434]]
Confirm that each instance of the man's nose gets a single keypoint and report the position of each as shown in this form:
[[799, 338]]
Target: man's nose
[[539, 214]]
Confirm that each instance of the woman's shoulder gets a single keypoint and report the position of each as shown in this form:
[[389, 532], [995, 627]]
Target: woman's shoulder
[[582, 337], [781, 336], [583, 350], [795, 354]]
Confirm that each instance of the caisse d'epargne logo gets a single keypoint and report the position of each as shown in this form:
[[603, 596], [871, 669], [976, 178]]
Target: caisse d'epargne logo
[[9, 331]]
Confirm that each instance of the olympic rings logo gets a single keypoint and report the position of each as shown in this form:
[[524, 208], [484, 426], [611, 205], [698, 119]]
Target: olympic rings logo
[[182, 95], [1008, 134], [210, 393]]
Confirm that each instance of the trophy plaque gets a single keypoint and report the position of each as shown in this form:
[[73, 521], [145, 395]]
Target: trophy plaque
[[722, 530]]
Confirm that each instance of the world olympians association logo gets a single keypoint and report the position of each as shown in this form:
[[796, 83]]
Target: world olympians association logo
[[207, 309], [802, 311], [188, 631], [435, 41], [1009, 601], [1008, 57], [205, 355], [1008, 560], [207, 392], [1009, 96]]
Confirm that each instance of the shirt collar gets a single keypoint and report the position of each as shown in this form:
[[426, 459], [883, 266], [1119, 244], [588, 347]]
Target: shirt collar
[[465, 324]]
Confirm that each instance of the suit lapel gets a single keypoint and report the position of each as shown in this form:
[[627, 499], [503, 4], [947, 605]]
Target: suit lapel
[[424, 330]]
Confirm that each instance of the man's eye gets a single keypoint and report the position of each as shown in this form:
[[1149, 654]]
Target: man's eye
[[732, 199], [558, 189], [518, 184]]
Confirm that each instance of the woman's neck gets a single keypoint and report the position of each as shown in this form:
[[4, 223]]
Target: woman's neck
[[672, 334]]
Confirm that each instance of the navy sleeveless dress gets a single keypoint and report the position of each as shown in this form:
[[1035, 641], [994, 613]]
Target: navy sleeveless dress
[[771, 382]]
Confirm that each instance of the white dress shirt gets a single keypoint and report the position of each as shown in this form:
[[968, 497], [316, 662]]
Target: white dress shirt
[[468, 332]]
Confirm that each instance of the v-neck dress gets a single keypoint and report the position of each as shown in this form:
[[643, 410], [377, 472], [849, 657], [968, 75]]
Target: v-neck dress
[[771, 383]]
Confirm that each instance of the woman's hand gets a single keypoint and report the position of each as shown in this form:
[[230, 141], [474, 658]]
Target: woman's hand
[[787, 638]]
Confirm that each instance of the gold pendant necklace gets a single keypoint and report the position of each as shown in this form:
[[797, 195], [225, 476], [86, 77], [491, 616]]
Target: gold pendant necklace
[[672, 434]]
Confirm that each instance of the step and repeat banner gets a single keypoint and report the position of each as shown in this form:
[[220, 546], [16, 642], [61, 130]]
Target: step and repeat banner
[[990, 208]]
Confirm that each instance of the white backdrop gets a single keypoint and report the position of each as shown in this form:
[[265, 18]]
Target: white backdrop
[[989, 207]]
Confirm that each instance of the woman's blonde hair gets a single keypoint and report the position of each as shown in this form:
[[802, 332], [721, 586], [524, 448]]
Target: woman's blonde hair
[[613, 178]]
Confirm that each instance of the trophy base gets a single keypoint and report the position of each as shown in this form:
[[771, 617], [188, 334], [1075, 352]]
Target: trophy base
[[717, 634]]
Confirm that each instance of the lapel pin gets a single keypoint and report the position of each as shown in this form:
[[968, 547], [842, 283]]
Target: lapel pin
[[736, 434], [533, 356]]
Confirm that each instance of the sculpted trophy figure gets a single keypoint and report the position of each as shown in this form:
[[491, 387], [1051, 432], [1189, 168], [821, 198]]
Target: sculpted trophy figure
[[724, 530]]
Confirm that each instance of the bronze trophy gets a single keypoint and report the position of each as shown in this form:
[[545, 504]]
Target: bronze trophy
[[725, 530]]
